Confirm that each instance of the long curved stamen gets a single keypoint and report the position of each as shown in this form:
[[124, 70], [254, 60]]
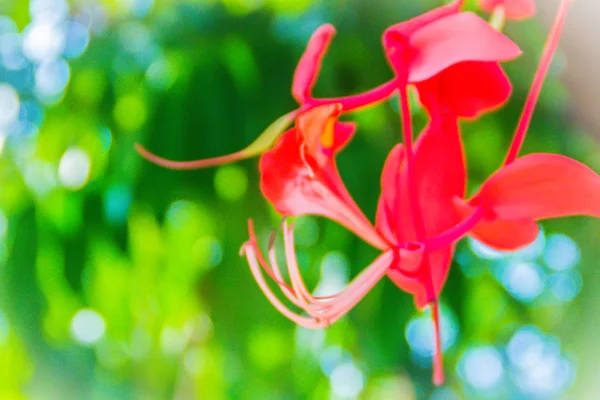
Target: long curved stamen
[[536, 86], [457, 232], [275, 272], [256, 272], [332, 307]]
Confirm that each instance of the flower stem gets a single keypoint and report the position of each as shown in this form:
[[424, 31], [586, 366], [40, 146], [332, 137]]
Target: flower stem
[[413, 195], [419, 226], [536, 86], [457, 232], [357, 101], [438, 361]]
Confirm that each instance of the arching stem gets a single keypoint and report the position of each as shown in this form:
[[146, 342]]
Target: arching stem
[[536, 86]]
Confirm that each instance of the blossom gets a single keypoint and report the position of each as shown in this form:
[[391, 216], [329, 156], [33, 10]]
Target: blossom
[[512, 9]]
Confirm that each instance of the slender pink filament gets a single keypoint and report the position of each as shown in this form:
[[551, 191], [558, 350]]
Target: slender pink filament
[[255, 269], [457, 232], [536, 86], [336, 306], [322, 310]]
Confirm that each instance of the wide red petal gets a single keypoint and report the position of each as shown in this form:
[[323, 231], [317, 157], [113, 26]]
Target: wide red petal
[[309, 65], [454, 39], [539, 186], [513, 9], [295, 184], [467, 89], [500, 234]]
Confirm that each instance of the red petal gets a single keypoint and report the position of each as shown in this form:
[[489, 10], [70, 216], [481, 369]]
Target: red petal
[[387, 217], [467, 89], [309, 65], [454, 39], [513, 9], [322, 134], [503, 235], [295, 184], [539, 186], [440, 175], [407, 28]]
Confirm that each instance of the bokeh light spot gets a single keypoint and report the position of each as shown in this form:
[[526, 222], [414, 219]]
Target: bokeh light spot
[[51, 78], [524, 280], [231, 182], [130, 112], [482, 368], [9, 105], [347, 380], [420, 334], [74, 168], [43, 40], [87, 327], [561, 253]]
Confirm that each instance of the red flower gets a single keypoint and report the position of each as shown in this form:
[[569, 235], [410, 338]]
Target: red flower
[[453, 60], [512, 9]]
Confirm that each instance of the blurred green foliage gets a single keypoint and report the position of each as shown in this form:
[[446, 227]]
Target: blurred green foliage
[[122, 280]]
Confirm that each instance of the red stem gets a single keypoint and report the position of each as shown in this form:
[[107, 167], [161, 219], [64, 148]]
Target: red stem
[[354, 102], [536, 85], [438, 362], [457, 232], [417, 217]]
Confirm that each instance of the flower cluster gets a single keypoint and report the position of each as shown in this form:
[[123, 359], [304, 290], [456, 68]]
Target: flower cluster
[[452, 59]]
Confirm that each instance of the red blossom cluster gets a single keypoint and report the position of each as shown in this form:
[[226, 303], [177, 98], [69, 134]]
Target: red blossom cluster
[[452, 58]]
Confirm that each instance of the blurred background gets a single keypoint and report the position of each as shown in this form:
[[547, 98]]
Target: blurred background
[[122, 280]]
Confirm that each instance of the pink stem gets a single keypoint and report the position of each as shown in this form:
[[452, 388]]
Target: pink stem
[[410, 163], [536, 86], [187, 165], [438, 361], [357, 101], [457, 232], [438, 366]]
